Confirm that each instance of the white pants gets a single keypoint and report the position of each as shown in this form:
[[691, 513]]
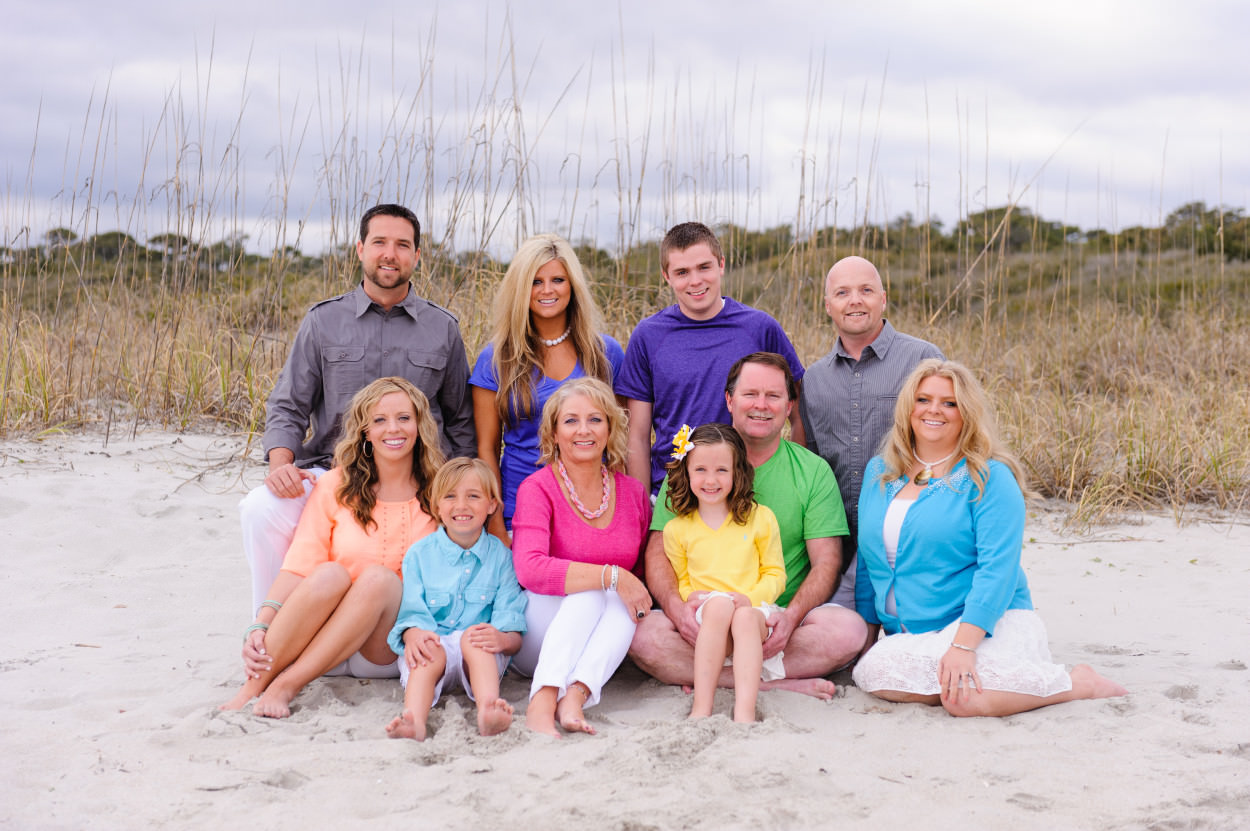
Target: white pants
[[579, 637], [268, 525]]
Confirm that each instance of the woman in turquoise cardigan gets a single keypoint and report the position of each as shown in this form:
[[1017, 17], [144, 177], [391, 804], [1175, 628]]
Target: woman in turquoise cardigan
[[941, 525]]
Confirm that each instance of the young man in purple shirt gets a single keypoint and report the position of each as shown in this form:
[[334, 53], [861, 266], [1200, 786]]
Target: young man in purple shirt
[[677, 358]]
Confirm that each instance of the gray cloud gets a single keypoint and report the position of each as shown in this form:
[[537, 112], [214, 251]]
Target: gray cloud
[[806, 114]]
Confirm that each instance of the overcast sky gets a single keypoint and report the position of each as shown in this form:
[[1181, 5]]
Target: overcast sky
[[495, 120]]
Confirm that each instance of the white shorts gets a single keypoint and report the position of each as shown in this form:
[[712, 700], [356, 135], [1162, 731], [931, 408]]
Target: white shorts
[[454, 673], [773, 668], [358, 666]]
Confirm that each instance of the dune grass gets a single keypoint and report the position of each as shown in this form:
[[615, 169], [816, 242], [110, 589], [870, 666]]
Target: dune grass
[[1120, 362]]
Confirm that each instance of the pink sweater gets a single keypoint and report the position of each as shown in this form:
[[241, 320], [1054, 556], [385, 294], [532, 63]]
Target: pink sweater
[[548, 534]]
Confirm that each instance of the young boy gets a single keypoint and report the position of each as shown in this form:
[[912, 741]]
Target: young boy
[[678, 358], [463, 611]]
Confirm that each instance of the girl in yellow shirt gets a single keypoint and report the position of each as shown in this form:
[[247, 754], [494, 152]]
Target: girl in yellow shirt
[[726, 552]]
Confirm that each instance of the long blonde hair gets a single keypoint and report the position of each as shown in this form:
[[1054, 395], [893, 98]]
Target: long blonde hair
[[978, 439], [517, 351], [600, 394], [360, 473]]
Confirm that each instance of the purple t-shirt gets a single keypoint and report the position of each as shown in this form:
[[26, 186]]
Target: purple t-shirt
[[680, 365]]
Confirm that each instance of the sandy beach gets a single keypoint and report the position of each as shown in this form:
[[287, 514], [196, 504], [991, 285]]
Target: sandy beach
[[126, 594]]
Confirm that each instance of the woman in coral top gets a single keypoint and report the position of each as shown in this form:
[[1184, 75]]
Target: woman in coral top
[[579, 526], [336, 598]]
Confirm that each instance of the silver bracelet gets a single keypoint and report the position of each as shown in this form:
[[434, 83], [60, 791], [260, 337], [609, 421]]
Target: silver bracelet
[[964, 648], [603, 577], [616, 572]]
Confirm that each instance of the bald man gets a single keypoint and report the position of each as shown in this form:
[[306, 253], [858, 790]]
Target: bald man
[[847, 399]]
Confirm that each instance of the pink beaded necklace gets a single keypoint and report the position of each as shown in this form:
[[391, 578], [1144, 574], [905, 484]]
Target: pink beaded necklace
[[577, 503]]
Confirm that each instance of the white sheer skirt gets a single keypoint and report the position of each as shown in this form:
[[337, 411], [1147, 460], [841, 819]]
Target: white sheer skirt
[[1017, 659]]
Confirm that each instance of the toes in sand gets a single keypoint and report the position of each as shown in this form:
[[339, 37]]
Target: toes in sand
[[494, 717], [820, 688], [406, 726]]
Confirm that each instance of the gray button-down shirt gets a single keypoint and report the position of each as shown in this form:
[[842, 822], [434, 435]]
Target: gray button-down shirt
[[848, 408], [349, 341]]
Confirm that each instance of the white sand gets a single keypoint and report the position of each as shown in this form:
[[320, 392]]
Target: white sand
[[125, 596]]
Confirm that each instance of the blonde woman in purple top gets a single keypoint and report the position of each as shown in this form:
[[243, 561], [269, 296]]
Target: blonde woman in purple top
[[579, 527], [546, 330]]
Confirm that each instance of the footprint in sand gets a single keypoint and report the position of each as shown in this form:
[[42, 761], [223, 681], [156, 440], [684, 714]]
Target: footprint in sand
[[1182, 692], [1233, 665], [1030, 802], [288, 780]]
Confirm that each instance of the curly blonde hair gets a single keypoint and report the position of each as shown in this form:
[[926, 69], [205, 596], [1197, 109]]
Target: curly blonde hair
[[978, 438], [681, 499], [516, 342], [600, 394], [360, 473]]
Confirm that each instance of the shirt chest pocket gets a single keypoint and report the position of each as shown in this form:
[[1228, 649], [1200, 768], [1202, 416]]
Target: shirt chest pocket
[[425, 368], [481, 592], [437, 601], [880, 420], [344, 370]]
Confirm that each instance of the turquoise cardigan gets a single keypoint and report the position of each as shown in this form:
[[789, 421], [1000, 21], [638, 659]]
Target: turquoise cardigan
[[958, 556]]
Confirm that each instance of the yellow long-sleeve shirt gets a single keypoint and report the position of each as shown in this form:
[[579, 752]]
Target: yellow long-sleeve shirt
[[733, 558]]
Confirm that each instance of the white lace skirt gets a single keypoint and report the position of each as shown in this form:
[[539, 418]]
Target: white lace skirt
[[1017, 659]]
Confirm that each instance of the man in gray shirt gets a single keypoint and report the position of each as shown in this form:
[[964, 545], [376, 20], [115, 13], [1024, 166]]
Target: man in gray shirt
[[379, 329], [847, 399]]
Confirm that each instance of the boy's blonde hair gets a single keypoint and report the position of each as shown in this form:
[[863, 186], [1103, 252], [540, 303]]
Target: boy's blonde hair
[[450, 474]]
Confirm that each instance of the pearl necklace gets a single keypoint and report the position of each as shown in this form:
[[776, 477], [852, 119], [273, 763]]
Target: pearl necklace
[[577, 502], [559, 340], [923, 477]]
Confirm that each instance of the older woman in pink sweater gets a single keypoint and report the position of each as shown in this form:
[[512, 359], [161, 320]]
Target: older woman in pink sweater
[[579, 526]]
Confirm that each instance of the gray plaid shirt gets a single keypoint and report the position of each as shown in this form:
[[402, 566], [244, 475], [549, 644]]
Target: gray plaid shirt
[[848, 408]]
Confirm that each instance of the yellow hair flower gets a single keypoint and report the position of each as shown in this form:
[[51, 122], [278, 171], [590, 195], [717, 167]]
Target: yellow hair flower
[[681, 442]]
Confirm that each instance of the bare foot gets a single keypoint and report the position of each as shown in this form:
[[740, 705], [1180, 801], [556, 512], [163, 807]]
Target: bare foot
[[820, 688], [493, 717], [274, 703], [569, 709], [542, 722], [406, 726], [238, 702], [1086, 679], [540, 716]]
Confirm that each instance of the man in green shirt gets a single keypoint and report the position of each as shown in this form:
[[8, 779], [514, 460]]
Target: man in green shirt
[[816, 636]]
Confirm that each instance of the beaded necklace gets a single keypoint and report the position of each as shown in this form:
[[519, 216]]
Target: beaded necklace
[[577, 502], [559, 340]]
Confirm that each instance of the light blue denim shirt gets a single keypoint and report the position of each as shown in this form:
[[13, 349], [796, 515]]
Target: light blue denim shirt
[[448, 588]]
